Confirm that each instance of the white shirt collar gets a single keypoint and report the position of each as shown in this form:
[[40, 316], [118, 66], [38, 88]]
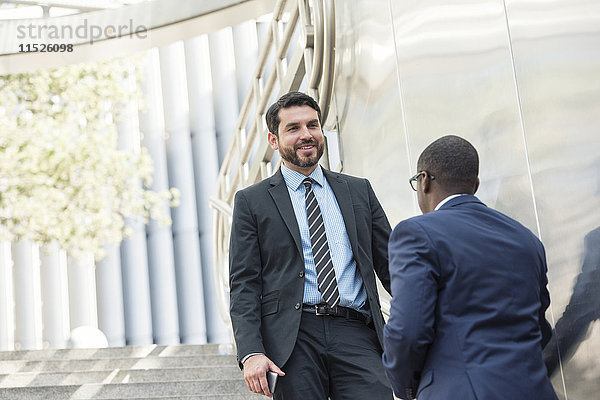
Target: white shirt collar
[[293, 179], [447, 199]]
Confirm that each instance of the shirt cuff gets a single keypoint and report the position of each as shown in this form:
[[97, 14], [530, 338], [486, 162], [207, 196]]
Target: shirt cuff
[[247, 356]]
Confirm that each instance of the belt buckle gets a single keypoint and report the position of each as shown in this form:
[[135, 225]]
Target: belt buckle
[[323, 309]]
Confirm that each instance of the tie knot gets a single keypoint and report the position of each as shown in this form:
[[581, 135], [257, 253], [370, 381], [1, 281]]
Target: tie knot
[[307, 182]]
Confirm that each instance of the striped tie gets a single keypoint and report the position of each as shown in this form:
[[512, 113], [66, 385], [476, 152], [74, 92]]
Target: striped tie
[[320, 249]]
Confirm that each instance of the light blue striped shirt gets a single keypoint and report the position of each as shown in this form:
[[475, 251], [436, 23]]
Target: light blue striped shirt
[[349, 280]]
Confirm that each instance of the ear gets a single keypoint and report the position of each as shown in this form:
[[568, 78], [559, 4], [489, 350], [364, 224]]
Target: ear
[[426, 183], [476, 186], [273, 141]]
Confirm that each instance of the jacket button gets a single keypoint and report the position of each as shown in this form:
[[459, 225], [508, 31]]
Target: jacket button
[[297, 306], [301, 274]]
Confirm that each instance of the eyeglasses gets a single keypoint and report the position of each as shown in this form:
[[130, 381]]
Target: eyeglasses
[[413, 181]]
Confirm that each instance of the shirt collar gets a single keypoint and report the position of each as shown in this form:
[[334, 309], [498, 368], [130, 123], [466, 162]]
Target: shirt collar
[[447, 199], [293, 179]]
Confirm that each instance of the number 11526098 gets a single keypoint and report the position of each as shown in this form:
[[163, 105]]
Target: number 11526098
[[45, 48]]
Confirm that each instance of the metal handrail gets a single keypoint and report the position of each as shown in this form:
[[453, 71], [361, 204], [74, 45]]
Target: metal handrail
[[328, 58], [249, 158]]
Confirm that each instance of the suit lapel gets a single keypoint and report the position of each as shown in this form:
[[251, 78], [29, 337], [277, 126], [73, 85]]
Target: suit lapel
[[281, 196], [342, 195]]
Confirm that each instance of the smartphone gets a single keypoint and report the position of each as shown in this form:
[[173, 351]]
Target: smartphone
[[272, 380]]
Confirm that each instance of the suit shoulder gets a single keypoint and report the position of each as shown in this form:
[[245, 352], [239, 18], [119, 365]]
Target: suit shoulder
[[345, 177], [251, 198], [516, 224], [417, 222], [255, 188]]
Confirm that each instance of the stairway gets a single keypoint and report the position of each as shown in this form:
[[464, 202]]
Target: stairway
[[173, 372]]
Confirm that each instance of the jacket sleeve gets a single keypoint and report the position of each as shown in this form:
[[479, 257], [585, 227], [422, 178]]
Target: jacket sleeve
[[414, 271], [545, 301], [245, 282], [381, 230]]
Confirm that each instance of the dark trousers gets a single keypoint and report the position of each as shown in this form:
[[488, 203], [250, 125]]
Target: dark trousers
[[334, 357]]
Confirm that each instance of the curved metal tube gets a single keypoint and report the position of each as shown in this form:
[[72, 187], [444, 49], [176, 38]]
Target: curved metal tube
[[221, 206], [318, 43], [220, 265], [328, 58]]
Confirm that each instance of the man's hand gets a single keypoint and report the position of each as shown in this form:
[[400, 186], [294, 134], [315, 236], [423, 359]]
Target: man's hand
[[255, 373]]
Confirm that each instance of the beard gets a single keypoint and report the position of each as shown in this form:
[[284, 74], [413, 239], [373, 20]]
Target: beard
[[290, 154]]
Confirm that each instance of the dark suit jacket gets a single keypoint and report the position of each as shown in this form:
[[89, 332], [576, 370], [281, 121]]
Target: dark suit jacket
[[267, 265], [467, 314]]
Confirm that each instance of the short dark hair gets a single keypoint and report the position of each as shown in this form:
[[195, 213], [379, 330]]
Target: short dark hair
[[290, 99], [454, 163]]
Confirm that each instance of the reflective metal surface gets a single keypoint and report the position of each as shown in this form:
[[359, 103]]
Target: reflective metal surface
[[521, 81], [556, 46], [368, 103]]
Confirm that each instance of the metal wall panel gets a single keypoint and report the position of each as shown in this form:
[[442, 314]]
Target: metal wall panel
[[456, 78], [368, 105], [556, 47], [520, 80], [452, 75]]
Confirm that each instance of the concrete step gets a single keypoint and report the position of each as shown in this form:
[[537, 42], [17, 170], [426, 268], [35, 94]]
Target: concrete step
[[101, 364], [117, 352], [221, 389], [249, 396], [22, 379], [184, 372]]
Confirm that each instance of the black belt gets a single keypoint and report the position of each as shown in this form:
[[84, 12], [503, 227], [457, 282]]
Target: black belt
[[337, 311]]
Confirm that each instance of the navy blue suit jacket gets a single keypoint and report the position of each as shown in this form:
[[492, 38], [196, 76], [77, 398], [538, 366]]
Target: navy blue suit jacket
[[468, 302]]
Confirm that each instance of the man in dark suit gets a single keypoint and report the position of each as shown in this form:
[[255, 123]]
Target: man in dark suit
[[469, 291], [303, 258]]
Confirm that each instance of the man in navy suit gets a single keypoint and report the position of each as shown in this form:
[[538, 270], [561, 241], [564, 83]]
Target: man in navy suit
[[468, 291]]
